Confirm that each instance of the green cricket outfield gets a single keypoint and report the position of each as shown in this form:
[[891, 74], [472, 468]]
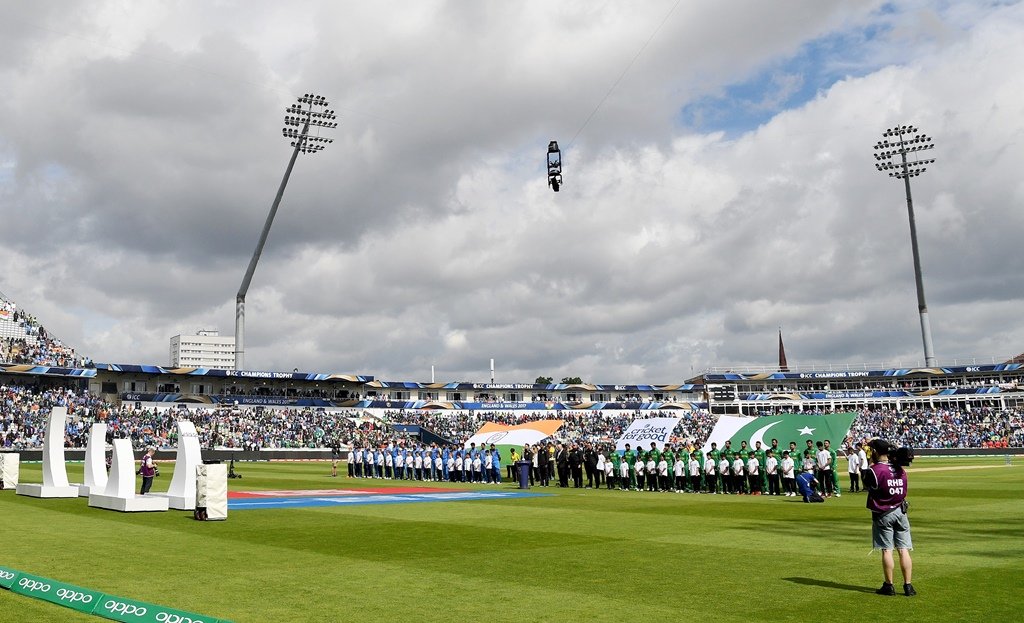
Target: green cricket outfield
[[573, 555]]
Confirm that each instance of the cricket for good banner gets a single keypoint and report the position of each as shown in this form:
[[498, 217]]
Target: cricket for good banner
[[785, 428], [642, 432], [505, 438]]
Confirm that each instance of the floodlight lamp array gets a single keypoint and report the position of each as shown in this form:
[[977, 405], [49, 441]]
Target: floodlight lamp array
[[306, 147], [309, 111], [905, 140]]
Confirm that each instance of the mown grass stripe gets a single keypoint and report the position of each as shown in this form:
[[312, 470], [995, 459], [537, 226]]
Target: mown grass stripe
[[575, 555]]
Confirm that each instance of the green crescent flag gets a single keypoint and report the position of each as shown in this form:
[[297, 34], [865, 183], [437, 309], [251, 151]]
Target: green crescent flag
[[785, 428]]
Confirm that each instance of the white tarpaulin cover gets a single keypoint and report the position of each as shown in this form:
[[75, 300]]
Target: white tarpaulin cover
[[10, 463], [212, 490]]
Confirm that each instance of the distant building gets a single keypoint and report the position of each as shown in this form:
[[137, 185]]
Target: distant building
[[205, 349]]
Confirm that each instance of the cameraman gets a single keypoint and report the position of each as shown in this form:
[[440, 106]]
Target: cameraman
[[886, 484], [147, 470]]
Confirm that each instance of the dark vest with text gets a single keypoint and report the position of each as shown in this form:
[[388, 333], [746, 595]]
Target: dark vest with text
[[891, 490]]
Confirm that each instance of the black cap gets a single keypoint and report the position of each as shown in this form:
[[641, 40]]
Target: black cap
[[880, 446]]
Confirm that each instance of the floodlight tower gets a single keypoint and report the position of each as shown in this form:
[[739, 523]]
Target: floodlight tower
[[903, 140], [310, 111]]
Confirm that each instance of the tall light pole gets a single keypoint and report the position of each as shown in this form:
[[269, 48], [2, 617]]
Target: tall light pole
[[903, 140], [310, 111]]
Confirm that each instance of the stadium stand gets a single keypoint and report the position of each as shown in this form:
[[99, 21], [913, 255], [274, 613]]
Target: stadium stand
[[967, 406], [23, 411], [24, 341]]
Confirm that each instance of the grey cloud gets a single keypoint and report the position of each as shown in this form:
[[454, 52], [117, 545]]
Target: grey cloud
[[425, 235]]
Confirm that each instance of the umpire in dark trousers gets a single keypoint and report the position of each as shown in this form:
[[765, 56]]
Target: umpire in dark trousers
[[590, 465], [543, 474], [562, 458], [528, 455], [576, 463]]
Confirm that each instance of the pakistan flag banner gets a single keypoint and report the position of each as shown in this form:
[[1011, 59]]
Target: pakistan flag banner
[[785, 428], [505, 438]]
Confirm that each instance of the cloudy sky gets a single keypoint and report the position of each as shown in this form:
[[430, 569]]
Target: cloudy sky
[[719, 182]]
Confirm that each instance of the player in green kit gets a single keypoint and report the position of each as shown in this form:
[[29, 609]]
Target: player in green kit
[[727, 450], [682, 456], [653, 453], [761, 457], [616, 464]]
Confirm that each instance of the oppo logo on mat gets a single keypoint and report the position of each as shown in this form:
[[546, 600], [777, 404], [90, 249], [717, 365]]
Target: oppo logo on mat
[[70, 595], [119, 607], [34, 585], [165, 617]]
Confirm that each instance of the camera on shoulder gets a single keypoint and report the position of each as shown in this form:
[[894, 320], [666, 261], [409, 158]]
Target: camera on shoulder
[[902, 457]]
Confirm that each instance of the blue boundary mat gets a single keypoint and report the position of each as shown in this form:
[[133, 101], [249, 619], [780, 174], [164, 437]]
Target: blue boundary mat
[[377, 498]]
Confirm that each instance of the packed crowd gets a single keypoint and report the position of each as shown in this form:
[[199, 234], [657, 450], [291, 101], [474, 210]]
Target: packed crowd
[[582, 426], [245, 429], [37, 347], [943, 428], [23, 412]]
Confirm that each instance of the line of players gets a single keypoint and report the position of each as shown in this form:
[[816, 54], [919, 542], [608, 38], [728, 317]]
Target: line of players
[[758, 471], [432, 464]]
